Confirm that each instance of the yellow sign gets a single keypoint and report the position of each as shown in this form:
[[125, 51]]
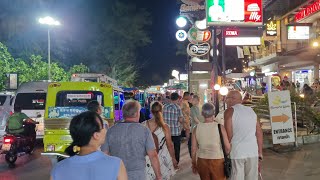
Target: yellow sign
[[272, 28]]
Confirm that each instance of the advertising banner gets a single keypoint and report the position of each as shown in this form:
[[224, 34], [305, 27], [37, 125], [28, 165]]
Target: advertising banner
[[281, 117], [234, 12], [298, 32]]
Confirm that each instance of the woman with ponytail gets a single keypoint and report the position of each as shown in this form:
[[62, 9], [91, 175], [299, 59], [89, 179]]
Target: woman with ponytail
[[162, 138], [87, 161]]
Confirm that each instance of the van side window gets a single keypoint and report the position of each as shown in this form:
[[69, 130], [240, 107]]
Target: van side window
[[78, 98]]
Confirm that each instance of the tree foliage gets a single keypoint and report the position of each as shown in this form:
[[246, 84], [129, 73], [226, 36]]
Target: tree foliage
[[36, 70]]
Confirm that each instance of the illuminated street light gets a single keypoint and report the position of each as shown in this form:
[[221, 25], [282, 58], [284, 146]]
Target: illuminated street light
[[50, 22], [315, 44], [181, 22], [223, 91], [175, 74], [301, 95], [216, 87]]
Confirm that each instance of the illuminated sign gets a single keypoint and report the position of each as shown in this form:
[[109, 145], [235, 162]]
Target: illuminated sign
[[298, 32], [243, 41], [181, 35], [195, 35], [307, 11], [198, 49], [271, 28], [231, 33], [234, 12]]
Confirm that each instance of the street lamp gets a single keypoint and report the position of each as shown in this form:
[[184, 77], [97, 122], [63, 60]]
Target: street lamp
[[181, 22], [315, 44], [224, 91], [50, 22]]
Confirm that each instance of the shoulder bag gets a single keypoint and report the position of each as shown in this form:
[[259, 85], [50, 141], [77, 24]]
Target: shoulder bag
[[227, 160]]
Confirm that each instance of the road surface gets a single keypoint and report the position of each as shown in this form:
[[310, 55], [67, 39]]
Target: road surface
[[303, 164]]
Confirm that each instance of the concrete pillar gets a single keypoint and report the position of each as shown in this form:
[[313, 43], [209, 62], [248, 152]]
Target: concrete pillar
[[316, 72]]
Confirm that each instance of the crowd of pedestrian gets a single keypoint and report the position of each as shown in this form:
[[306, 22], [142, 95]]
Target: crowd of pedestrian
[[151, 150]]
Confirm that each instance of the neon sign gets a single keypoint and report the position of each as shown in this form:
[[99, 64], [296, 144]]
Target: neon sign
[[307, 11]]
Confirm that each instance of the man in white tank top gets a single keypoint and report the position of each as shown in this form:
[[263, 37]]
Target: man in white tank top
[[246, 138]]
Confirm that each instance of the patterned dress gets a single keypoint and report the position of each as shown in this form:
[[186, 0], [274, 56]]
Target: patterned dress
[[166, 166]]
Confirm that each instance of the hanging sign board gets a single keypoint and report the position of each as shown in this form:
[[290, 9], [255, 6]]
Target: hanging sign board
[[234, 12], [281, 117], [198, 49], [271, 29]]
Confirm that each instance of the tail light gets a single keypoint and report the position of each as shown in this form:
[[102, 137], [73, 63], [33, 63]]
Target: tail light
[[11, 113], [8, 140]]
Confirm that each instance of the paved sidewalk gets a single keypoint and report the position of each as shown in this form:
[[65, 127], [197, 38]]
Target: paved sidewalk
[[298, 165]]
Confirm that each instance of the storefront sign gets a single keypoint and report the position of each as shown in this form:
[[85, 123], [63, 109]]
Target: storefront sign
[[307, 11], [181, 35], [298, 32], [195, 35], [198, 49], [231, 33], [271, 29], [281, 117], [191, 8], [243, 41], [234, 12]]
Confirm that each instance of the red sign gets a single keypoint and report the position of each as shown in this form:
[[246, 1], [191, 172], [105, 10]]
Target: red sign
[[253, 11], [307, 11], [231, 33]]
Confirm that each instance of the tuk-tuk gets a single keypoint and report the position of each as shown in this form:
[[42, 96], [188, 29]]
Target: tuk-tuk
[[64, 101]]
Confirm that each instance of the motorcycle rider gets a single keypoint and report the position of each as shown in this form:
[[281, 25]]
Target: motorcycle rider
[[16, 120]]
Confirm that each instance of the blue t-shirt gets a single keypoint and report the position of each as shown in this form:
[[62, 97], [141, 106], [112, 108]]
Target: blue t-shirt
[[94, 166]]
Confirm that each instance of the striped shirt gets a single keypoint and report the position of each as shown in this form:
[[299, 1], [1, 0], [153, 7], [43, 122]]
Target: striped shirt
[[171, 114]]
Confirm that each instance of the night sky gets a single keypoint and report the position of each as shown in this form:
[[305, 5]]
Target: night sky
[[162, 52], [78, 18]]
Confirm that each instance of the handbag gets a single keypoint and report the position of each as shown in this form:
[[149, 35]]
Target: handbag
[[227, 160]]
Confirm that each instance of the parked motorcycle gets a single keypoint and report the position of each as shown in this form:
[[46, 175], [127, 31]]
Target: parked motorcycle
[[15, 145]]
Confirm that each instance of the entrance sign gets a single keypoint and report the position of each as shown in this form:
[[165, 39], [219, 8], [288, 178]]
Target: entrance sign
[[307, 11], [281, 117], [198, 49], [234, 12]]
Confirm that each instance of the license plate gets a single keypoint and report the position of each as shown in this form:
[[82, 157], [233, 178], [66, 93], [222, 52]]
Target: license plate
[[6, 147]]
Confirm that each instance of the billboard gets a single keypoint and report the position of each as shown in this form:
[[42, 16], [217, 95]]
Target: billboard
[[298, 32], [234, 12]]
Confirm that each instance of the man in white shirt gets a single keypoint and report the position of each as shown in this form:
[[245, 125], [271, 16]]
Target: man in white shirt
[[246, 138]]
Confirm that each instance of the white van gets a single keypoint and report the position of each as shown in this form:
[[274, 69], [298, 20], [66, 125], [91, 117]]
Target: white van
[[31, 97]]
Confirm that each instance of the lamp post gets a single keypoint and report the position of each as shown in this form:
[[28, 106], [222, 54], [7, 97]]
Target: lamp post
[[50, 22]]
